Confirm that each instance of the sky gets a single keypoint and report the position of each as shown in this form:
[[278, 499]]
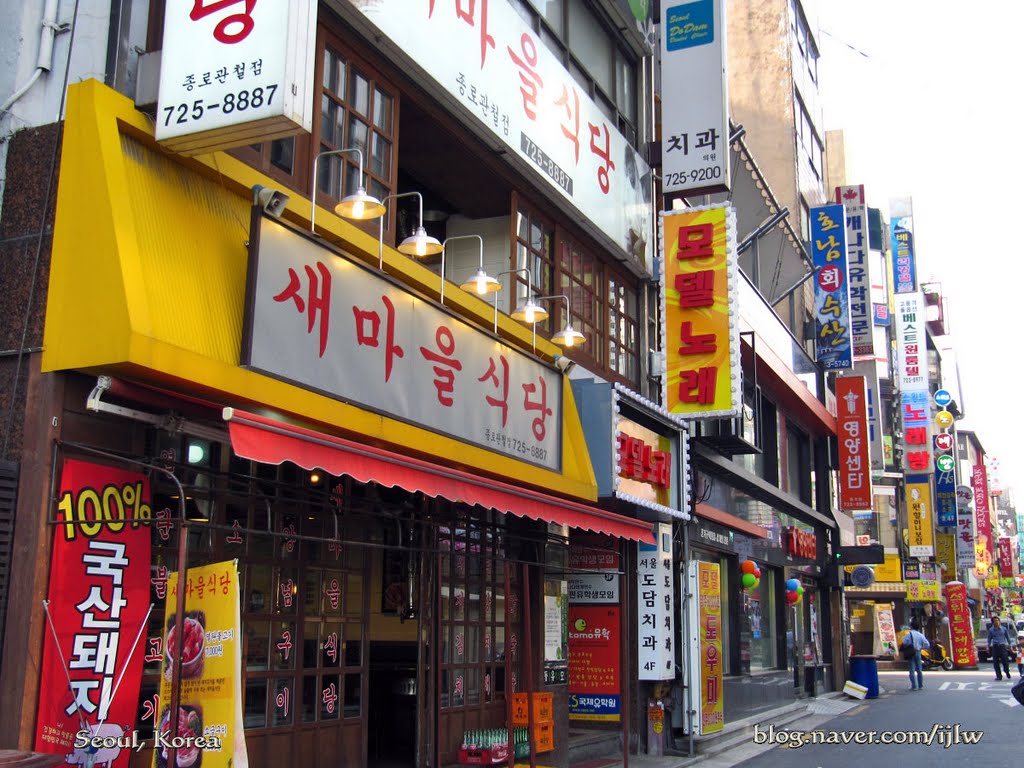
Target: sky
[[929, 96]]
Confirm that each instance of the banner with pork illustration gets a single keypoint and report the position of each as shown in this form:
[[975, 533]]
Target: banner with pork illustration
[[207, 729]]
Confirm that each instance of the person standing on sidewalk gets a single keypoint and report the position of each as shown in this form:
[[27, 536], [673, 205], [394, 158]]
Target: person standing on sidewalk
[[918, 642], [998, 645]]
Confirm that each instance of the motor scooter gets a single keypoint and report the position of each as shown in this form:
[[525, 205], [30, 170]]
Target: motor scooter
[[936, 656]]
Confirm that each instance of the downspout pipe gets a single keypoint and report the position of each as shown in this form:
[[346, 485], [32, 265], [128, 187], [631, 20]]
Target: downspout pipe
[[44, 62]]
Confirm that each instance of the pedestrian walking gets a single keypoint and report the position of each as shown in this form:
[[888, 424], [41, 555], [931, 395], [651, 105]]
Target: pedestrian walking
[[1020, 654], [918, 642], [998, 645]]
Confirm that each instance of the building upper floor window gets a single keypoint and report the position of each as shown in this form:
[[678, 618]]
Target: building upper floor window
[[588, 48], [803, 38]]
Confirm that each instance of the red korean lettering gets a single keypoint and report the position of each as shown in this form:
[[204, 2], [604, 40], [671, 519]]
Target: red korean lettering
[[910, 413], [694, 344], [698, 386], [444, 371], [155, 650], [539, 428], [916, 435], [284, 645], [222, 32], [317, 302], [333, 593], [500, 383], [696, 289], [331, 647], [630, 456], [530, 79], [368, 333], [330, 698], [225, 582], [602, 152], [571, 126], [696, 242], [468, 15], [919, 460]]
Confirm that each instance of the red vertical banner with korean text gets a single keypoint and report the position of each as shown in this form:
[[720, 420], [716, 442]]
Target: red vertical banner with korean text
[[594, 688], [709, 699], [207, 728], [1005, 557], [854, 443], [98, 603], [960, 630], [983, 544], [702, 344]]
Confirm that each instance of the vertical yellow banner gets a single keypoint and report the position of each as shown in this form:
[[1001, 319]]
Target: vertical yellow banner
[[920, 518], [207, 729], [709, 591]]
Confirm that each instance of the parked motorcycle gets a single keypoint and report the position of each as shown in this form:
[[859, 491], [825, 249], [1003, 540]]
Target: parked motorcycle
[[937, 656]]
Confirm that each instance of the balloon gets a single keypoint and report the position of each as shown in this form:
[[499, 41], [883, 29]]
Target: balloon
[[792, 584], [757, 572], [748, 580], [748, 566], [756, 582], [800, 590], [792, 597]]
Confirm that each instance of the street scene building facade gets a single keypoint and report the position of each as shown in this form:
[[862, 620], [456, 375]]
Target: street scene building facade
[[443, 383]]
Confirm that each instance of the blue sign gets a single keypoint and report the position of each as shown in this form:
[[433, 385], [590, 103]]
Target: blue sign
[[690, 25], [945, 499], [942, 398], [833, 340], [904, 266], [881, 314]]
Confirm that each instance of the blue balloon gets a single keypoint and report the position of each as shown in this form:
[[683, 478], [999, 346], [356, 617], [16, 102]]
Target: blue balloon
[[792, 584]]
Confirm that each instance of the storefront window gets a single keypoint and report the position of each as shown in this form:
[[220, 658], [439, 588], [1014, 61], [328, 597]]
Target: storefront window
[[757, 625]]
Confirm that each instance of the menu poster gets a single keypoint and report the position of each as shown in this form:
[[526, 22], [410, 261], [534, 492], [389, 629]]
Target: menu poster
[[206, 731], [98, 603], [886, 635]]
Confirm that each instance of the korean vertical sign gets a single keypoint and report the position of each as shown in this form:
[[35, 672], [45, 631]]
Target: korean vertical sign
[[960, 629], [920, 517], [915, 400], [965, 555], [694, 116], [904, 259], [854, 456], [708, 699], [859, 277], [98, 603], [210, 671], [702, 338], [831, 287], [655, 631], [983, 544]]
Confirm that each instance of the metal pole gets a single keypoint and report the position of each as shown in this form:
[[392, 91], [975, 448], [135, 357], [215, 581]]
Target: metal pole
[[528, 663], [624, 644], [509, 725], [179, 637], [437, 663]]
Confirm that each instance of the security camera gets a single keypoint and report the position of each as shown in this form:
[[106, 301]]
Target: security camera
[[564, 364], [270, 200]]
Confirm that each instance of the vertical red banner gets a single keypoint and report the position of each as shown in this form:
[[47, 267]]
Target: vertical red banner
[[982, 521], [1005, 557], [854, 443], [960, 629], [98, 602]]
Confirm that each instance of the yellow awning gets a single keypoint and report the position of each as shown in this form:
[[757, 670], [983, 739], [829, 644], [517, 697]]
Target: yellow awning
[[148, 280]]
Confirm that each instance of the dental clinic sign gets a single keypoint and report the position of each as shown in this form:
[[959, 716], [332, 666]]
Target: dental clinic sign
[[235, 72]]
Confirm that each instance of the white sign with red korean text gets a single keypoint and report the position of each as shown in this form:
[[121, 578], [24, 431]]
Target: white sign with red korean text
[[330, 325], [235, 72], [495, 66]]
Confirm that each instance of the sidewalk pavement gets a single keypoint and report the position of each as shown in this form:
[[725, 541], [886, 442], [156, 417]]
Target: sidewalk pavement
[[735, 743]]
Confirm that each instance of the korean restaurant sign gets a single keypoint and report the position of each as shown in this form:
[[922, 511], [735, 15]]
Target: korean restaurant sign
[[920, 517], [707, 698], [643, 460], [210, 670], [492, 63], [655, 591], [831, 287], [859, 276], [99, 606], [694, 103], [702, 339], [912, 370], [328, 324], [802, 544], [961, 631], [854, 443], [235, 72]]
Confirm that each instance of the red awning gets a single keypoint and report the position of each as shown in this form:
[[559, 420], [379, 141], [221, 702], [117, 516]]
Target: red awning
[[272, 442]]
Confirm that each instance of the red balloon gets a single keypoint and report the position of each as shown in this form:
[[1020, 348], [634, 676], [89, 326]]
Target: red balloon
[[748, 566], [792, 597], [757, 573]]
